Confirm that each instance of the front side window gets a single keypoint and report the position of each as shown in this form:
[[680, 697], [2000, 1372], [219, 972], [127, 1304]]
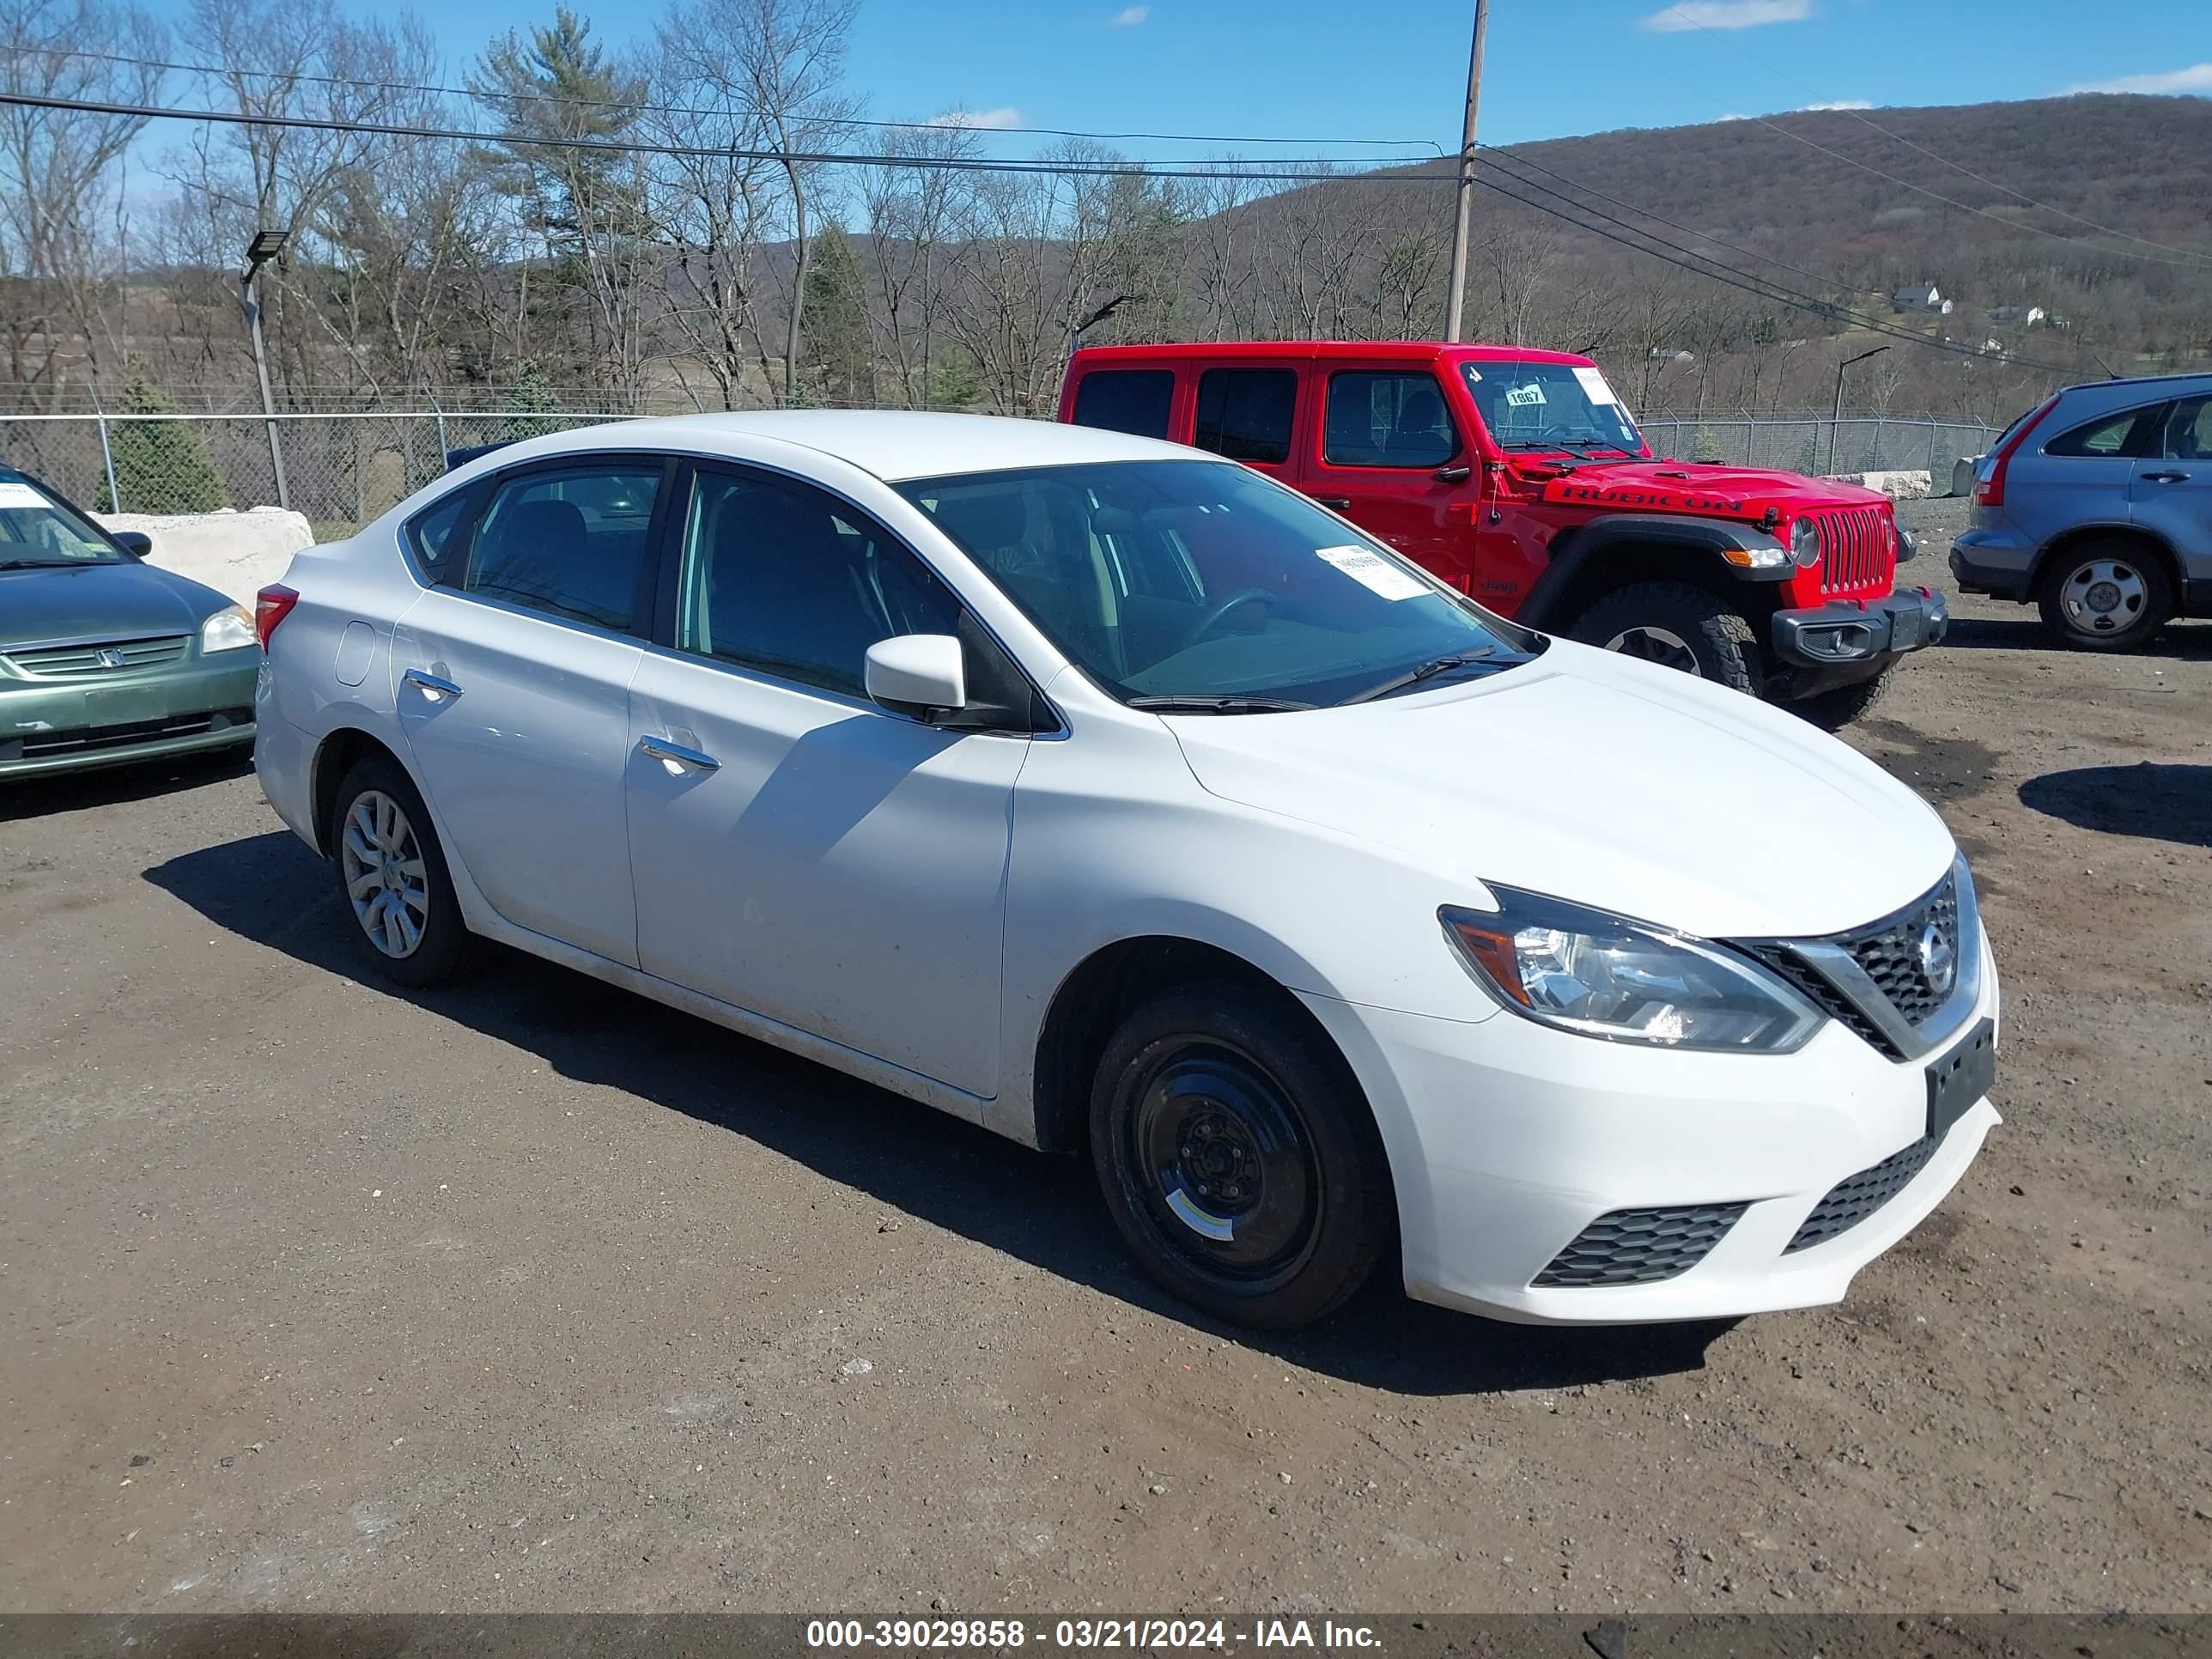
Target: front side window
[[1392, 419], [2188, 431], [1179, 580], [36, 529], [786, 579], [1132, 400], [1566, 407], [571, 541], [2108, 436], [1245, 413]]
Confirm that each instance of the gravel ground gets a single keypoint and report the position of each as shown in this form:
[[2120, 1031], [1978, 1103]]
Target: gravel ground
[[530, 1295]]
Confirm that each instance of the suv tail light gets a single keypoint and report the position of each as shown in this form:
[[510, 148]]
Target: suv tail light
[[270, 606], [1990, 485]]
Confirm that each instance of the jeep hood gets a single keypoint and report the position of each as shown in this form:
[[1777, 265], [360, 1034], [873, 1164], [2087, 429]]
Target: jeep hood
[[1695, 487], [1598, 779]]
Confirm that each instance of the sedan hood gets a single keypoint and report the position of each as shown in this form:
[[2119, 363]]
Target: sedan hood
[[101, 601], [1594, 778]]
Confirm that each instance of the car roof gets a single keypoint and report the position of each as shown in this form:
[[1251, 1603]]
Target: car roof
[[1388, 351], [2172, 385], [892, 444]]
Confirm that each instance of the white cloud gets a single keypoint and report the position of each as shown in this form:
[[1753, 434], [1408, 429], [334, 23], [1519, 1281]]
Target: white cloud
[[1727, 14], [1128, 17], [981, 120], [2197, 78], [1735, 115], [1841, 103]]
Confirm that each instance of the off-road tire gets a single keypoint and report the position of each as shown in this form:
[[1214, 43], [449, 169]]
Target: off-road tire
[[1712, 632], [2145, 566], [443, 946], [1322, 1184], [1833, 710]]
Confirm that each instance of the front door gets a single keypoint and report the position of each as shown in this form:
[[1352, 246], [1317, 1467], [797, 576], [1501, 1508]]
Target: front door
[[1390, 458], [512, 684], [798, 851]]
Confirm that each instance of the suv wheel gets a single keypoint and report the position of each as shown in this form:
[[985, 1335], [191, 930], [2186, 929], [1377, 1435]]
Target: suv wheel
[[1237, 1157], [2105, 595], [1677, 626], [391, 874], [1832, 711]]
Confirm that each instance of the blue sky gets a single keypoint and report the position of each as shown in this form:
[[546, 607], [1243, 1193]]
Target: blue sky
[[1394, 69]]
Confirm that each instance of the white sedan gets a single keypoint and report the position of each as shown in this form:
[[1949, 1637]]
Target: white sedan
[[1115, 798]]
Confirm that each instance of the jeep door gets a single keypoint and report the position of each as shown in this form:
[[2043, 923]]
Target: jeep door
[[1389, 454]]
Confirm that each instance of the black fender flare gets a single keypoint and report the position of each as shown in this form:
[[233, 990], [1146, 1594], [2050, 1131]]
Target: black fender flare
[[1576, 546]]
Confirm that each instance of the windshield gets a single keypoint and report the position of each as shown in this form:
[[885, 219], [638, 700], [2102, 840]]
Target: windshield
[[1551, 406], [36, 529], [1170, 582]]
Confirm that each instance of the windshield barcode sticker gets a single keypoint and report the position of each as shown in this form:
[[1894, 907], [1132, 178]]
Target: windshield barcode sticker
[[1520, 396], [13, 495], [1595, 387], [1373, 571]]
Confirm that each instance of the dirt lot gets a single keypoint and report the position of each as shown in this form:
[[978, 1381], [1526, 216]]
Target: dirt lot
[[530, 1295]]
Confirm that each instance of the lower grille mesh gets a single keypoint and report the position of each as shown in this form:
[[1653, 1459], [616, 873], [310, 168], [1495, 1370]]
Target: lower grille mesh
[[1641, 1246], [1854, 1197]]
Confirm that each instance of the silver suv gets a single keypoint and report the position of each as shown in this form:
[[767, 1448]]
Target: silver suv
[[2097, 505]]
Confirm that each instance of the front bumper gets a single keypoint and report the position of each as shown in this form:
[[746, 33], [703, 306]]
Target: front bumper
[[1859, 637], [50, 726], [1507, 1141]]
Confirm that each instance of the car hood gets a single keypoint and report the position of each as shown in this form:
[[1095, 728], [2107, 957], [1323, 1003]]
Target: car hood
[[102, 601], [1698, 487], [1609, 782]]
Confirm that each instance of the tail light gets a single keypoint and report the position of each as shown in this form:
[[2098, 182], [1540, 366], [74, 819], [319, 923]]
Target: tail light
[[270, 606], [1989, 487]]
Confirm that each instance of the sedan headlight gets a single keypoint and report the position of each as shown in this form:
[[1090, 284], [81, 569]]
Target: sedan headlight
[[1606, 976], [227, 630]]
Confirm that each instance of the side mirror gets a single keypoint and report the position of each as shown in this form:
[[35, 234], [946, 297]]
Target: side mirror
[[136, 543], [917, 674]]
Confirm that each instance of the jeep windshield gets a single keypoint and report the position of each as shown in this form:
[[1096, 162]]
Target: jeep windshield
[[1553, 407], [1201, 587]]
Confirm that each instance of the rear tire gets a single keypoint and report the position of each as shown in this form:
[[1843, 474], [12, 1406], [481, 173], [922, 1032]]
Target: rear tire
[[2108, 594], [1237, 1157], [1832, 711], [393, 877], [1677, 626]]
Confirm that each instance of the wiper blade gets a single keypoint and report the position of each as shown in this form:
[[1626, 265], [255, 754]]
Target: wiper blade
[[47, 564], [1427, 671], [1222, 705]]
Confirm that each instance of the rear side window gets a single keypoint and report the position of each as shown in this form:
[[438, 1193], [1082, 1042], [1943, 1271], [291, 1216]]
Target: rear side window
[[1379, 419], [1245, 413], [1132, 400], [437, 534], [2107, 436], [571, 543]]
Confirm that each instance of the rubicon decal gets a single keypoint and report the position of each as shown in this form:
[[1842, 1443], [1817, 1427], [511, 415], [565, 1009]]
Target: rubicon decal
[[1581, 494]]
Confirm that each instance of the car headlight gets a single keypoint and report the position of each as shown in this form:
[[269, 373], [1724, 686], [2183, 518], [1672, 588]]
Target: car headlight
[[227, 630], [1605, 976], [1805, 543]]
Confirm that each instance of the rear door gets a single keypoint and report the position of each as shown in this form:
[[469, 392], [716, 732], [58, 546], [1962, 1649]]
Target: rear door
[[1387, 453], [2171, 492], [512, 684]]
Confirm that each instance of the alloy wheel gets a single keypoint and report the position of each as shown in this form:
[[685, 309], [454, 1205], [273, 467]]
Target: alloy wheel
[[2103, 597], [1655, 644], [385, 880]]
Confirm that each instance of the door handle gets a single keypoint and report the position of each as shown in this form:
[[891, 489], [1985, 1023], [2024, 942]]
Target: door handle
[[1454, 474], [2164, 477], [663, 749], [432, 686], [1334, 501]]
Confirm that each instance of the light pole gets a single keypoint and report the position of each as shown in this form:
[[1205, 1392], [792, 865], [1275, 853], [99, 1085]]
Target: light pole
[[266, 246], [1463, 206], [1837, 419]]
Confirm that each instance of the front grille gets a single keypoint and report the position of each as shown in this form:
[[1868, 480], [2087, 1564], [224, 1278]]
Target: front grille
[[48, 745], [1854, 1197], [1641, 1246], [1858, 549], [1888, 952], [84, 662]]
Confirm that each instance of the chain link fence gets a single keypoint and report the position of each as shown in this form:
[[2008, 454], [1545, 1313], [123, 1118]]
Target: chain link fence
[[1816, 444], [340, 471]]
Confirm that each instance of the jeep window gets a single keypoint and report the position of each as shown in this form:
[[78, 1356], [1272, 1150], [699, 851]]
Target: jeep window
[[2107, 435], [1554, 406], [1132, 400], [1395, 419], [1245, 413]]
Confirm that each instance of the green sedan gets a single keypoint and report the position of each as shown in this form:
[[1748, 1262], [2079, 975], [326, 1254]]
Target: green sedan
[[104, 658]]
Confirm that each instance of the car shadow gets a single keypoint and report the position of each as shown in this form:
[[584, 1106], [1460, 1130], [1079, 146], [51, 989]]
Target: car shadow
[[2155, 801], [78, 791], [1042, 1209], [2176, 641]]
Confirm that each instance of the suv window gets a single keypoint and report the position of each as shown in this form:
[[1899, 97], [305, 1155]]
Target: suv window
[[2107, 436], [786, 578], [570, 542], [2188, 431], [1132, 400], [1383, 419], [1245, 413]]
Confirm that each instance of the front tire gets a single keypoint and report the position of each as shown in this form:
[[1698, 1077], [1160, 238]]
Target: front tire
[[392, 876], [1676, 626], [1832, 711], [2109, 594], [1237, 1157]]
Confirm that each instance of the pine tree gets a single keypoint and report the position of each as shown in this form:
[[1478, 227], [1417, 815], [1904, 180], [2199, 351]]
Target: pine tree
[[160, 465], [835, 318]]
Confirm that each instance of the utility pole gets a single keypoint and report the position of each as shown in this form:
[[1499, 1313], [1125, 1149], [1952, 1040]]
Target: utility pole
[[1463, 210]]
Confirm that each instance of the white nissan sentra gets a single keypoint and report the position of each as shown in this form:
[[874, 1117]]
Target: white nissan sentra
[[1117, 799]]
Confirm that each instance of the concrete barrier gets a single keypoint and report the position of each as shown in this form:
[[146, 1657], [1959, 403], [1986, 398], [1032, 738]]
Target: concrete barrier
[[1962, 474], [1912, 484], [234, 553]]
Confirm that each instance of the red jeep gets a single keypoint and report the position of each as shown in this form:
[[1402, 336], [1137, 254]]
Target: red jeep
[[1519, 478]]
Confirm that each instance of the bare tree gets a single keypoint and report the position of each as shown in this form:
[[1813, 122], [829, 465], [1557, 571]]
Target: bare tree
[[911, 213]]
